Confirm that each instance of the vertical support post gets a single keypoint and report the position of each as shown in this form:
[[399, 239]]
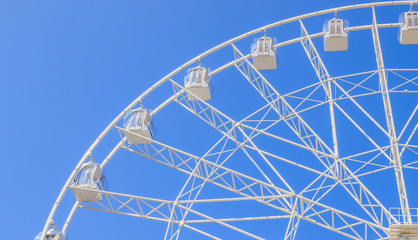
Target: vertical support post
[[357, 189], [325, 79], [396, 160]]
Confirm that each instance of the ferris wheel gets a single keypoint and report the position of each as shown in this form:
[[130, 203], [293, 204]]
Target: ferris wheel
[[306, 123]]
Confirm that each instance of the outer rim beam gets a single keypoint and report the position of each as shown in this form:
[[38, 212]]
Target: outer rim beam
[[109, 127]]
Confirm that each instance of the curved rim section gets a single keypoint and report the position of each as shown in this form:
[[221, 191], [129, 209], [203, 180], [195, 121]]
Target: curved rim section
[[197, 59]]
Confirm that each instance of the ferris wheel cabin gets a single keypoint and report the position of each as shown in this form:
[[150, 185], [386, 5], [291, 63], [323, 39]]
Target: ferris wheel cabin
[[197, 81], [89, 177], [264, 53], [52, 234], [408, 32], [138, 124], [336, 37]]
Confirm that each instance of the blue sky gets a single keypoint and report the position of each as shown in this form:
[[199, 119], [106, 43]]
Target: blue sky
[[69, 67]]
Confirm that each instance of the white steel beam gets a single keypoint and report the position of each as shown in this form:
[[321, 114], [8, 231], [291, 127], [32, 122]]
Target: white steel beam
[[184, 66], [325, 80], [159, 210], [397, 163], [195, 191], [138, 206], [224, 125], [223, 177], [409, 139], [407, 123], [280, 105], [237, 182]]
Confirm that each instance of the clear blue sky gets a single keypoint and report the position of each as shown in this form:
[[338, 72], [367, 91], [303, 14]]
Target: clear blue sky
[[67, 68]]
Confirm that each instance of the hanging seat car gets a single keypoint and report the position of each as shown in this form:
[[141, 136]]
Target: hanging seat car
[[52, 234], [197, 81], [138, 124], [336, 35], [408, 30], [90, 176], [264, 53]]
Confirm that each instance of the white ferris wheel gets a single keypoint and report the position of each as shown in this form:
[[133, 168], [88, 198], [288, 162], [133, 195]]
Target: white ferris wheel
[[308, 121]]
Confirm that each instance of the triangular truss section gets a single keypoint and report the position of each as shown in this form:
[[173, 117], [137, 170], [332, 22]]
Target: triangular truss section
[[369, 162], [306, 98], [356, 85], [203, 110], [405, 81], [129, 205]]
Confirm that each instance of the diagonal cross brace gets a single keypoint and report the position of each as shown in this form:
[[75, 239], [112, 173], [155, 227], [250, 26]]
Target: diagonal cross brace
[[397, 163]]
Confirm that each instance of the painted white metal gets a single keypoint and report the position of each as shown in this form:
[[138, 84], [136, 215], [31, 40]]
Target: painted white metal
[[309, 205], [340, 169], [293, 223], [307, 209], [396, 161], [369, 202], [280, 106], [325, 80]]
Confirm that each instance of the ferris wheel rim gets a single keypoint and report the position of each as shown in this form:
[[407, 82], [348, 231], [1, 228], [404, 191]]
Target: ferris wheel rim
[[197, 58]]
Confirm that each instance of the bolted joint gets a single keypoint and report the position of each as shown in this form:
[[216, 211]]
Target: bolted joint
[[140, 102]]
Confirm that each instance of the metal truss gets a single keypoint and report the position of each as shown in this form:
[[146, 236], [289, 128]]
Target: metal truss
[[292, 119], [159, 210], [353, 185], [268, 188], [256, 190], [397, 165]]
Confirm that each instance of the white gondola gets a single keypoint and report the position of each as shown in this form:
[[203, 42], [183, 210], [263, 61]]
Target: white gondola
[[197, 81], [336, 35], [89, 177], [264, 53], [52, 234], [138, 124], [408, 31]]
